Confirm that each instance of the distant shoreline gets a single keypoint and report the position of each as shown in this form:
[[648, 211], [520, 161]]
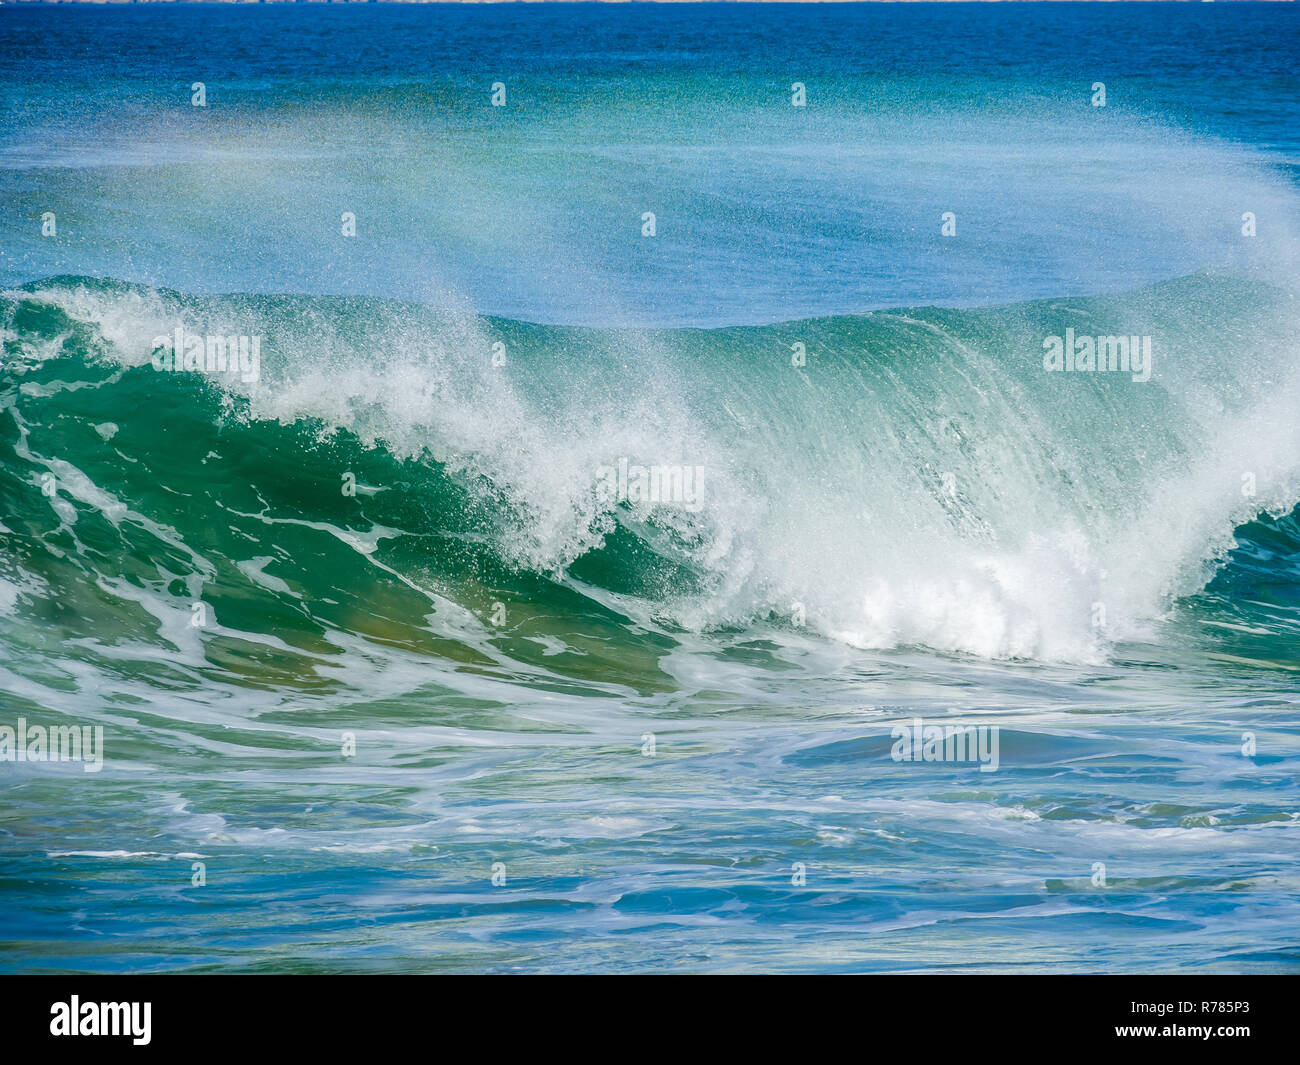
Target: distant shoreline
[[50, 3]]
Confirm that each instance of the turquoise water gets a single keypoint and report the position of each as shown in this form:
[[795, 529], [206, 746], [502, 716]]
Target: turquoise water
[[388, 681]]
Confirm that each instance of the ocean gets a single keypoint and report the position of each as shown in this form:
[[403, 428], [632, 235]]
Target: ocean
[[649, 488]]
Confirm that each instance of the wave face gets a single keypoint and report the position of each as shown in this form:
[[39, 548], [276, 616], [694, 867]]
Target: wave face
[[539, 594], [902, 478]]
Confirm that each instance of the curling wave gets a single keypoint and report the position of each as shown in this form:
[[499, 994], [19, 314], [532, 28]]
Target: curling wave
[[888, 479]]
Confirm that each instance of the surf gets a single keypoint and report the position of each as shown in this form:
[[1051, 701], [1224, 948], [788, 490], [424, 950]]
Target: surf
[[915, 479]]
